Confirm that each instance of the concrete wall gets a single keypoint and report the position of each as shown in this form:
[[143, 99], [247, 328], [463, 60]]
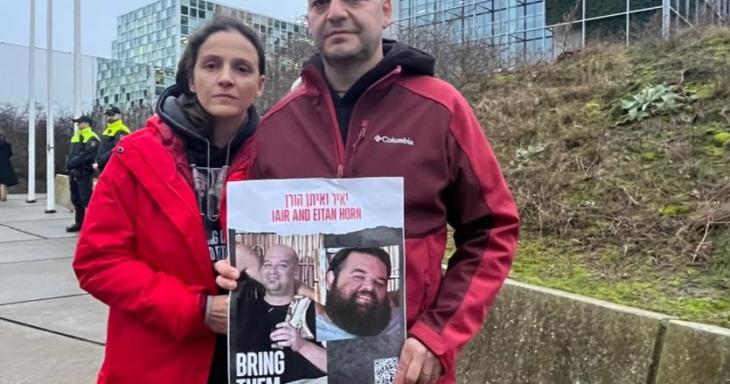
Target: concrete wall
[[539, 335], [62, 193], [694, 353]]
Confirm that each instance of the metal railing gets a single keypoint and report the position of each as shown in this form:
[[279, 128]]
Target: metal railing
[[505, 23]]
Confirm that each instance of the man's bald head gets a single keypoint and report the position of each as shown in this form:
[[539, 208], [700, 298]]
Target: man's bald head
[[279, 269], [282, 251]]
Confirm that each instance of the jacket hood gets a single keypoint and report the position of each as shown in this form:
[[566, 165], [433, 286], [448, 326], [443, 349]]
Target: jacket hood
[[412, 61], [171, 113], [196, 141]]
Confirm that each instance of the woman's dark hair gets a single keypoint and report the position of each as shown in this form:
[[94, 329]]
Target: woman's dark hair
[[189, 102]]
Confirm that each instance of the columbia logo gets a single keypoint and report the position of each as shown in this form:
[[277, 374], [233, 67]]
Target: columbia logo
[[393, 140]]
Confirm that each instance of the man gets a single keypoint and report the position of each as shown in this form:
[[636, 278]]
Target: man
[[84, 145], [8, 178], [115, 130], [371, 107], [357, 296], [280, 320]]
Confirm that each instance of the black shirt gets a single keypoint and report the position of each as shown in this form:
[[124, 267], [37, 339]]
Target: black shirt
[[254, 321]]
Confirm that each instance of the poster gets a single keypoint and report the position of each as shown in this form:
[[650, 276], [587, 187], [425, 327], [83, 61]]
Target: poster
[[322, 294]]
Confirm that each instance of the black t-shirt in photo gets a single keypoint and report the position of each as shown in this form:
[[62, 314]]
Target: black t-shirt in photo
[[254, 321]]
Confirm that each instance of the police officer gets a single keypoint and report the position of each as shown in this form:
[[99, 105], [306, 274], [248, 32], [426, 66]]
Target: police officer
[[84, 146], [114, 131]]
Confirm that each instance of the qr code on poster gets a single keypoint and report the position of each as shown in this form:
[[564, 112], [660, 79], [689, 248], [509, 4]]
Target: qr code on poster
[[385, 370]]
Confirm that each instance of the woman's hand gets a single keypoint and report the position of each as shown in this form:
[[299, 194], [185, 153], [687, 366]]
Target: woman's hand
[[217, 319], [227, 275]]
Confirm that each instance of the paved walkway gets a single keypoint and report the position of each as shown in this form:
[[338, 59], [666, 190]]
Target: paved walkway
[[50, 330]]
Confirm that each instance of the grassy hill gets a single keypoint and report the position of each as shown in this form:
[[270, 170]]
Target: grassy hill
[[619, 159]]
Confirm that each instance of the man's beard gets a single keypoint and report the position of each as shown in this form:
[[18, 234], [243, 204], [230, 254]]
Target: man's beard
[[357, 319], [353, 58], [344, 61]]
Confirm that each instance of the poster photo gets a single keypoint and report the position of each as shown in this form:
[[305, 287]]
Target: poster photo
[[321, 297]]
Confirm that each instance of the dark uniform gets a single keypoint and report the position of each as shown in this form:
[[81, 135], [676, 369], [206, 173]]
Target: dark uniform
[[84, 146], [114, 131]]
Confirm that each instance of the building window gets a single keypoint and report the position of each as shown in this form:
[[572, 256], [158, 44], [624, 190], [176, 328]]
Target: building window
[[184, 10]]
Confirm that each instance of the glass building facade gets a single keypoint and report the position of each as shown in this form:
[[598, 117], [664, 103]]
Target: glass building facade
[[514, 27], [532, 30], [151, 39]]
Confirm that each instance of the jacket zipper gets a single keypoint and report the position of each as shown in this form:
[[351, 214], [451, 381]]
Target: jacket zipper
[[360, 136], [334, 126], [339, 145]]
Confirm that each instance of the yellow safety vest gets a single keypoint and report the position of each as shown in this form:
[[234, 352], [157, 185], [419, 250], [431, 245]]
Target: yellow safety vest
[[84, 135], [113, 128]]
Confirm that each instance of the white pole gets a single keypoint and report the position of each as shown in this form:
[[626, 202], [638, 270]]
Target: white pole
[[544, 30], [697, 12], [666, 19], [628, 21], [583, 25], [31, 106], [50, 172], [77, 60]]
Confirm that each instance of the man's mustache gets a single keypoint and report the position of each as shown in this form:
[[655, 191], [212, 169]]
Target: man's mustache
[[369, 294], [335, 30]]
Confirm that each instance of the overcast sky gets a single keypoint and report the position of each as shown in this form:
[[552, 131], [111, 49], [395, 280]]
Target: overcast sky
[[99, 20], [98, 30]]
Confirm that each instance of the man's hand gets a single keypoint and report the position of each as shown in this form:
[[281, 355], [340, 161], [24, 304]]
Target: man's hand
[[417, 364], [217, 319], [286, 336], [227, 275]]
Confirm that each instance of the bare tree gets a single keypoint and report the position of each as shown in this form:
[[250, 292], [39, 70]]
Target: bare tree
[[284, 59], [461, 58], [14, 124], [137, 114]]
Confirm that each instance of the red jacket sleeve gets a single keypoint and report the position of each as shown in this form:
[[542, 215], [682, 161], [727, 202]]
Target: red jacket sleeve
[[483, 214], [107, 266]]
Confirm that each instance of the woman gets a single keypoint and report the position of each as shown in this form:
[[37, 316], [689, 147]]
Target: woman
[[7, 173], [153, 228]]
